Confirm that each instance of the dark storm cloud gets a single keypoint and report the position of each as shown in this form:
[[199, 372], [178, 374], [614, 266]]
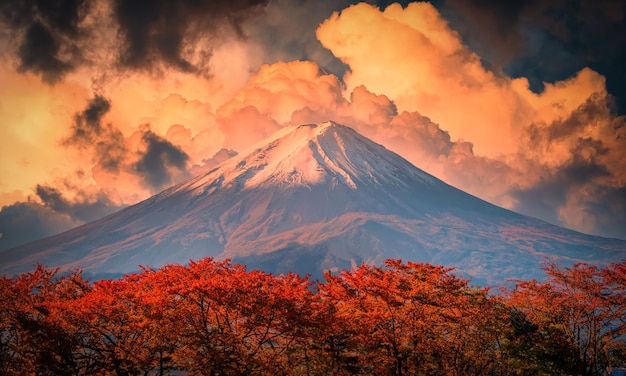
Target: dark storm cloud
[[22, 222], [382, 4], [84, 207], [87, 125], [160, 30], [106, 141], [586, 115], [38, 53], [612, 205], [584, 166], [109, 149], [287, 32], [53, 198], [50, 38], [47, 33], [159, 157], [489, 24], [545, 198], [585, 173], [582, 117], [546, 40], [588, 183]]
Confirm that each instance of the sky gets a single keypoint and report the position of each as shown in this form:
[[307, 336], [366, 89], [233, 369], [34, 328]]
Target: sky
[[105, 103]]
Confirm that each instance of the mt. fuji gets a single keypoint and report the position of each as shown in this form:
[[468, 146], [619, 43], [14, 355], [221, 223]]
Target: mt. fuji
[[312, 198]]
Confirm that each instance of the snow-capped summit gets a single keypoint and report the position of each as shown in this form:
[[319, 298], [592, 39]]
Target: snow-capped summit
[[313, 154], [312, 198]]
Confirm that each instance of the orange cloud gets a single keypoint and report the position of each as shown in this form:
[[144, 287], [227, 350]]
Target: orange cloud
[[560, 143], [412, 56], [34, 117], [300, 92], [271, 97]]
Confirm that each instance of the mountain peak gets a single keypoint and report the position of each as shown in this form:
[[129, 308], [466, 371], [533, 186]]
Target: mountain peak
[[312, 198], [312, 154]]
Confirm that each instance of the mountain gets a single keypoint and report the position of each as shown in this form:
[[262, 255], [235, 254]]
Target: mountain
[[313, 198]]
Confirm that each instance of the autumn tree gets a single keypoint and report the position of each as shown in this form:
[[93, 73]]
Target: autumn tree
[[230, 321], [217, 318], [411, 319], [33, 339], [572, 322], [121, 334]]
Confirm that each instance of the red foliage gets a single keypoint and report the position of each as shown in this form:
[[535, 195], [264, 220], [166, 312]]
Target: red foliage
[[216, 318], [578, 316]]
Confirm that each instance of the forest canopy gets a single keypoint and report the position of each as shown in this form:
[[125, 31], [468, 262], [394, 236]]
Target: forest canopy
[[217, 318]]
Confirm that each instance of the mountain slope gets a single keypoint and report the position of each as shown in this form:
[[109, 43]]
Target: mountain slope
[[312, 198]]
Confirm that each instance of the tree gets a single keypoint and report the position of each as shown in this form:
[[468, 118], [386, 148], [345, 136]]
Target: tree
[[230, 321], [33, 337], [413, 319], [120, 334], [216, 318], [575, 318]]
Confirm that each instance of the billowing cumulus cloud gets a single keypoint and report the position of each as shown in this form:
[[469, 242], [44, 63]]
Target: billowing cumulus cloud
[[413, 57], [587, 179], [563, 138], [271, 97], [300, 92]]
